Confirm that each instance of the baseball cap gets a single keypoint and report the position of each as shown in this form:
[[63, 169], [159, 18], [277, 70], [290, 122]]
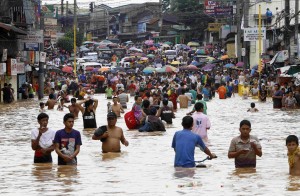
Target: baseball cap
[[111, 115]]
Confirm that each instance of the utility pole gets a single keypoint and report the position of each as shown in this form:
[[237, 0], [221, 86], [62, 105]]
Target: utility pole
[[287, 26], [41, 65], [239, 31], [67, 14], [62, 12], [246, 24], [107, 23], [296, 28], [75, 31], [161, 18]]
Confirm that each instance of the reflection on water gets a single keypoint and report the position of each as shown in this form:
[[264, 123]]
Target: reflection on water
[[145, 167]]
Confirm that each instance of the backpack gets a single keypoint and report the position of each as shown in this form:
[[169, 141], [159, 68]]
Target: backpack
[[130, 120]]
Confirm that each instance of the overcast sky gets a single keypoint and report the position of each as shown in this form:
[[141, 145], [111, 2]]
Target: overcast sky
[[111, 3]]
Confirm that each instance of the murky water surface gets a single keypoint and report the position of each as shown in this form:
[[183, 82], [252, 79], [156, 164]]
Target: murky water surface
[[145, 167]]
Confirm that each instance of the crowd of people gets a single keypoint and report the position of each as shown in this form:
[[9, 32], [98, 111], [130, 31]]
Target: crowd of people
[[157, 97]]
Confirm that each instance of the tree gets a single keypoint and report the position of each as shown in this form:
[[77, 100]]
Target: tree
[[66, 43], [79, 37]]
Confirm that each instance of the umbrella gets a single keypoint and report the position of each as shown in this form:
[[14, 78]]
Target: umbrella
[[228, 65], [165, 46], [149, 42], [95, 70], [224, 57], [130, 71], [103, 69], [175, 63], [210, 58], [150, 55], [119, 69], [149, 70], [195, 63], [166, 69], [139, 54], [168, 43], [208, 67], [216, 61], [200, 52], [240, 64], [189, 67], [293, 70], [135, 49], [89, 68], [156, 45], [100, 78], [195, 44], [54, 69], [129, 42], [144, 59], [67, 69], [152, 48], [114, 79], [209, 46]]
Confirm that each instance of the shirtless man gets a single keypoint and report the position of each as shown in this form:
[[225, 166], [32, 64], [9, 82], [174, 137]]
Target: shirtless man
[[116, 107], [112, 136], [51, 102], [183, 99], [74, 108]]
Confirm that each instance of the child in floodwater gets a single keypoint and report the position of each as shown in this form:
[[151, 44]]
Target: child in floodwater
[[292, 144], [253, 108]]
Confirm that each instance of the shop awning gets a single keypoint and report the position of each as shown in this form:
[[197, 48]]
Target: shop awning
[[9, 27]]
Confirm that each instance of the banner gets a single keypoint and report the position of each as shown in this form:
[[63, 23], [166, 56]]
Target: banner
[[251, 34], [14, 69], [2, 68], [43, 57], [4, 55]]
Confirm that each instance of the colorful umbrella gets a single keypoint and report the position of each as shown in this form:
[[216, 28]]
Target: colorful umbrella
[[95, 70], [104, 69], [149, 42], [224, 57], [89, 68], [148, 70], [195, 63], [130, 71], [67, 69], [200, 52], [189, 67], [210, 58], [169, 43], [150, 55], [193, 44], [144, 59], [152, 48], [175, 63], [229, 65], [240, 64]]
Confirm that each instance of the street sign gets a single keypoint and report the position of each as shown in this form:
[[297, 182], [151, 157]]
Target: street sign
[[223, 11], [243, 51], [251, 34], [35, 37], [4, 55]]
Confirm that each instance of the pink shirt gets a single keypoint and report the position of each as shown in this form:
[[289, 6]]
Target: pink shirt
[[201, 124]]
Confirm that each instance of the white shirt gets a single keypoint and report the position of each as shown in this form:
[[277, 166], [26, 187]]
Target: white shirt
[[201, 124], [46, 140]]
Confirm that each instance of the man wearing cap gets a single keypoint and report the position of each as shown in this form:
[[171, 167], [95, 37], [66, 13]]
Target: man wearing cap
[[110, 135]]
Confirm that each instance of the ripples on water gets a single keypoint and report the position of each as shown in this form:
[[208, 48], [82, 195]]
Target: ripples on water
[[145, 167]]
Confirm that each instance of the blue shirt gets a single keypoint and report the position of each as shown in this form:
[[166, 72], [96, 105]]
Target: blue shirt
[[184, 143]]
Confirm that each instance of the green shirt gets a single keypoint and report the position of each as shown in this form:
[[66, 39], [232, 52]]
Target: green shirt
[[109, 92]]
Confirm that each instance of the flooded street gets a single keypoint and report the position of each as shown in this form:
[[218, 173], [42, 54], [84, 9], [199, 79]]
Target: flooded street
[[145, 167]]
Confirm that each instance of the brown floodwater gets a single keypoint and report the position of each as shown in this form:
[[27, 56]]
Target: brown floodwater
[[145, 167]]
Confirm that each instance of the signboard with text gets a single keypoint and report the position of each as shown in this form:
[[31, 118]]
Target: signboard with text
[[210, 7], [2, 68], [14, 69], [251, 34], [223, 11]]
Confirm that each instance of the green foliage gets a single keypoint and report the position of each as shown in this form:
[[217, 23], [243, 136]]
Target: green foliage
[[79, 37], [66, 43]]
